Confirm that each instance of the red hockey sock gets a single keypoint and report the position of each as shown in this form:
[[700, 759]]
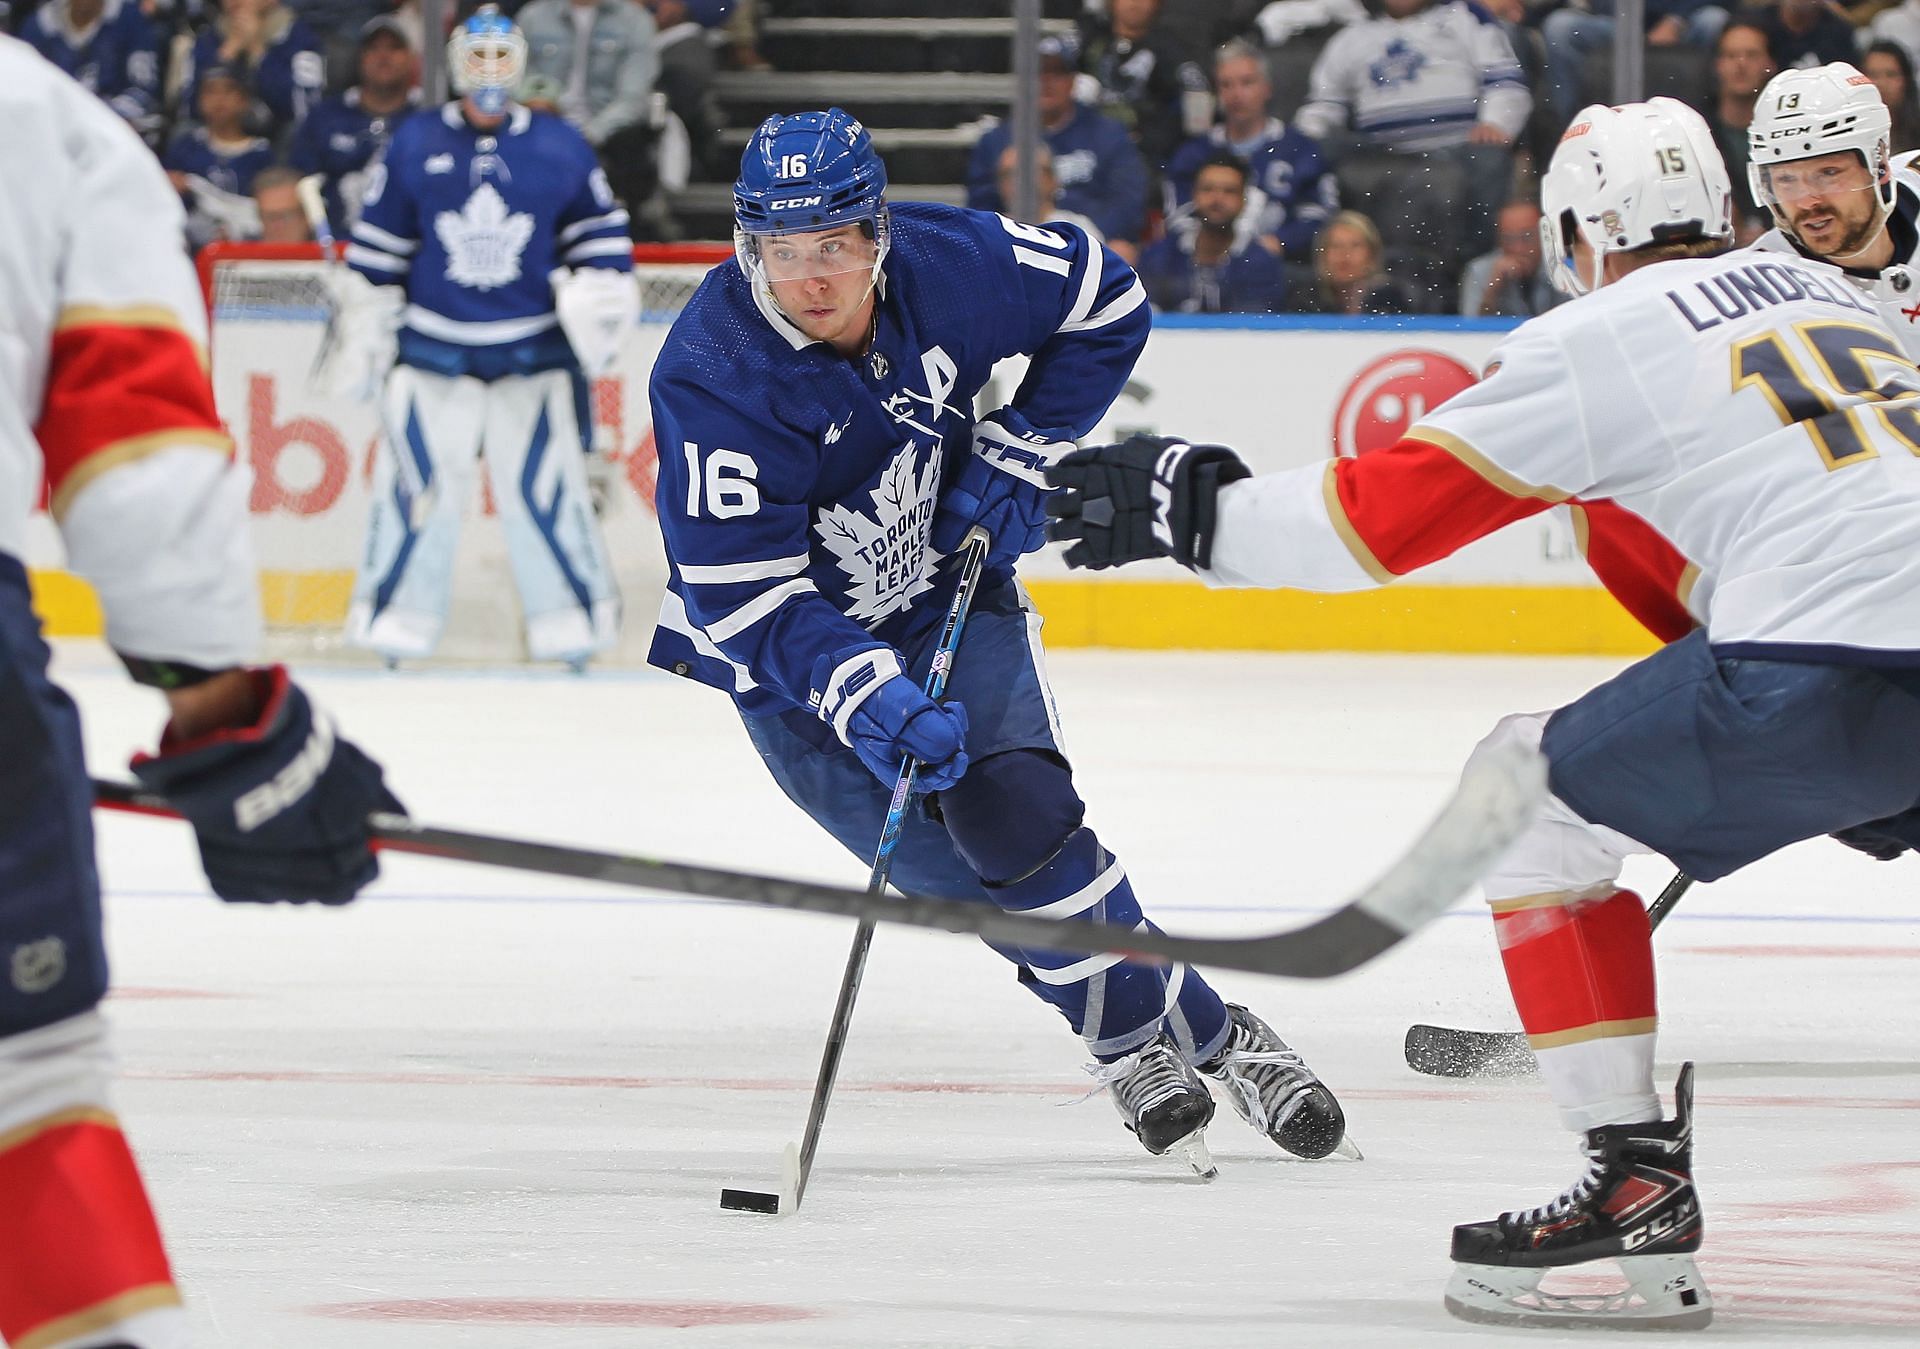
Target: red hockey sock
[[79, 1247], [1579, 970]]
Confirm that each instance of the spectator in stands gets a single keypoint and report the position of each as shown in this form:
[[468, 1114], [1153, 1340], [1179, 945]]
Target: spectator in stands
[[1212, 261], [1898, 23], [1511, 281], [1293, 190], [276, 200], [111, 48], [1804, 33], [269, 48], [687, 67], [340, 137], [1742, 64], [1145, 76], [338, 22], [1427, 77], [1349, 272], [1101, 174], [1890, 67], [213, 163], [1577, 31], [602, 54], [1047, 189]]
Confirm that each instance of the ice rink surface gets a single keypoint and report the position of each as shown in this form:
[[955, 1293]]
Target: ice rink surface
[[483, 1110]]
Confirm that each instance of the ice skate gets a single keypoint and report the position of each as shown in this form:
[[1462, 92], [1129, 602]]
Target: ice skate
[[1635, 1205], [1163, 1102], [1272, 1088]]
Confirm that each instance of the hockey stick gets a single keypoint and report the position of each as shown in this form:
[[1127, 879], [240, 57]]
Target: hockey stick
[[1494, 801], [798, 1165], [1443, 1051]]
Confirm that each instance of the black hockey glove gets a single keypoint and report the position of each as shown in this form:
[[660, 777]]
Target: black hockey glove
[[280, 807], [1149, 496]]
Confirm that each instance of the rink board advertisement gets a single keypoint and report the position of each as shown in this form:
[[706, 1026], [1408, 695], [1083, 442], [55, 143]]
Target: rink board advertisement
[[1283, 393]]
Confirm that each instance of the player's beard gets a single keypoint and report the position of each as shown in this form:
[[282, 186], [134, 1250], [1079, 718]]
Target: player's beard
[[1859, 235]]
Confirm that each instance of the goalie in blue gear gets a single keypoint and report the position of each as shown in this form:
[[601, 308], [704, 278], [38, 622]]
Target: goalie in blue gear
[[826, 464], [493, 273]]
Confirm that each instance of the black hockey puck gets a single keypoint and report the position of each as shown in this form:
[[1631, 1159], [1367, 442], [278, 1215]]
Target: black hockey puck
[[750, 1201]]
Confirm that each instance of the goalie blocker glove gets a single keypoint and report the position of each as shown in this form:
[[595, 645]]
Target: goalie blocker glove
[[279, 807], [1148, 496]]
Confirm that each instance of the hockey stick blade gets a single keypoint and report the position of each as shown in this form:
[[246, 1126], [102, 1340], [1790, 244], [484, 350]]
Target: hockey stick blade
[[1496, 797], [1444, 1051]]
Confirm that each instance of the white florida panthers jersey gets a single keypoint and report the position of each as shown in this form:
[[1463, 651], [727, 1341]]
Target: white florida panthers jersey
[[103, 350], [1753, 409]]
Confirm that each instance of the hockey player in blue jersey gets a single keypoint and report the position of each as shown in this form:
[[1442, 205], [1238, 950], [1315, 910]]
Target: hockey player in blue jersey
[[820, 462], [497, 277]]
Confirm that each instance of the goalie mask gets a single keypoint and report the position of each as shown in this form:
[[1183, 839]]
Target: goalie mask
[[486, 57], [1629, 177], [803, 176], [1819, 136]]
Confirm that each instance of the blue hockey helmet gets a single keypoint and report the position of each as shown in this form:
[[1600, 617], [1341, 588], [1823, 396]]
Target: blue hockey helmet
[[802, 174], [486, 57]]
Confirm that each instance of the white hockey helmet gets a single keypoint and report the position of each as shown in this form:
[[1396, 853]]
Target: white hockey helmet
[[1803, 113], [486, 57], [1623, 178]]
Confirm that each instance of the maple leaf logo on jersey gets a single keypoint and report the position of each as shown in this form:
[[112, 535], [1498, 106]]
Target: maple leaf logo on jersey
[[885, 555], [1398, 64], [483, 240]]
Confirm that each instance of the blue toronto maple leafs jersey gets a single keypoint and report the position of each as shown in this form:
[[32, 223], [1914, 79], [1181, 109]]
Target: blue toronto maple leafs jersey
[[472, 222], [797, 488], [337, 139], [118, 58]]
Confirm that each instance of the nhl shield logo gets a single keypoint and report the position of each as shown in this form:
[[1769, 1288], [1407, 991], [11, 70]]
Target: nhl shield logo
[[38, 965]]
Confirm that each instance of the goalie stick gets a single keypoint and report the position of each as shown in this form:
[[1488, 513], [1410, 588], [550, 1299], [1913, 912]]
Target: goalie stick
[[1496, 798], [797, 1168], [1444, 1051]]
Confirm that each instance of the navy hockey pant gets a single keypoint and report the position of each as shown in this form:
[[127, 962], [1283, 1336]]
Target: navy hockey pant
[[1009, 833], [53, 964]]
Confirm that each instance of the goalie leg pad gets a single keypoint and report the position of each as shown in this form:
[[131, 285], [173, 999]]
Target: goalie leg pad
[[81, 1259], [537, 429], [422, 479]]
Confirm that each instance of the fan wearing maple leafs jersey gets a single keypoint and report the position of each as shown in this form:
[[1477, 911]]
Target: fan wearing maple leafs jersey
[[493, 274], [820, 463]]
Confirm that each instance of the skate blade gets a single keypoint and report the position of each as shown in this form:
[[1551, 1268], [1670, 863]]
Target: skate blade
[[1348, 1149], [1193, 1151], [1663, 1292]]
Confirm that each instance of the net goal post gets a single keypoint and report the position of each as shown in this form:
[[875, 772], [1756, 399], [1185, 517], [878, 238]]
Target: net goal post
[[312, 454]]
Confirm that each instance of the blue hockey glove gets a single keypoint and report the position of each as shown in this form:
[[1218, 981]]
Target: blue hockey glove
[[897, 719], [1002, 488], [280, 807]]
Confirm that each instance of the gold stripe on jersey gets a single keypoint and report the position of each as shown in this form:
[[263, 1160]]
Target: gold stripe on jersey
[[102, 1315], [79, 1114], [120, 453], [1485, 467], [130, 316], [1337, 514], [1689, 577], [1598, 1030]]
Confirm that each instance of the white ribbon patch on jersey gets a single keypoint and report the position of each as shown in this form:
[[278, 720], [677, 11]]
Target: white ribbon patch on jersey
[[483, 240], [885, 555]]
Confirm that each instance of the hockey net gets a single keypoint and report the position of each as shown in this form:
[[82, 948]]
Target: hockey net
[[312, 455]]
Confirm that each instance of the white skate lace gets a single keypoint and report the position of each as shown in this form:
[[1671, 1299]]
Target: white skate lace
[[1285, 1092], [1144, 1078], [1572, 1197]]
